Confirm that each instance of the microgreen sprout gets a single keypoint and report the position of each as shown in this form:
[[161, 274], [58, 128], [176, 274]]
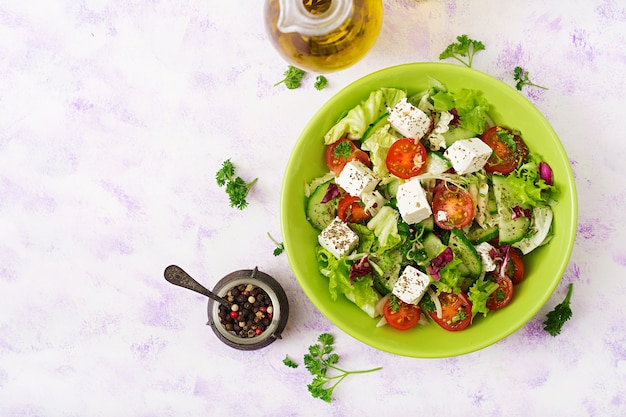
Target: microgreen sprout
[[280, 246]]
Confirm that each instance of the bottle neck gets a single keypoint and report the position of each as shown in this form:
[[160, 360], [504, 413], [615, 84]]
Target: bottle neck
[[295, 17]]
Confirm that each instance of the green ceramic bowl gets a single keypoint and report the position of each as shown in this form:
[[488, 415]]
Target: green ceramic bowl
[[545, 266]]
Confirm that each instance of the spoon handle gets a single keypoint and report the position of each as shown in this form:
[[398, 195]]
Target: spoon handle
[[175, 275]]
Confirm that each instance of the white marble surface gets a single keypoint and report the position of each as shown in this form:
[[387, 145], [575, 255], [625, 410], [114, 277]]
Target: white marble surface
[[115, 116]]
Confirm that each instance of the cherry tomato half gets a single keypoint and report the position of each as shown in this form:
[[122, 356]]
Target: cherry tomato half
[[456, 311], [502, 296], [351, 209], [343, 151], [452, 207], [406, 158], [404, 316], [509, 150]]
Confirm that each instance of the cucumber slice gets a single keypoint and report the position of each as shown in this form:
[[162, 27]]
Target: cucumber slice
[[458, 133], [466, 252], [437, 163], [428, 224], [433, 245], [317, 213], [384, 285], [477, 234], [510, 230], [374, 126], [392, 188]]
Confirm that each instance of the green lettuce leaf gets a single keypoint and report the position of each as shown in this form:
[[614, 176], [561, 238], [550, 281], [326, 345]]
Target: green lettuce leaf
[[450, 278], [378, 144], [528, 186], [387, 264], [366, 237], [471, 107], [360, 291], [478, 295], [385, 226], [357, 120]]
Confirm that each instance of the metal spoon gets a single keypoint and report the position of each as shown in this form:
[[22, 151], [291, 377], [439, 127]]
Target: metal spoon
[[175, 275]]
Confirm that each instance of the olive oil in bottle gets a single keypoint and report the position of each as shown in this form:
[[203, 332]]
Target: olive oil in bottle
[[323, 35]]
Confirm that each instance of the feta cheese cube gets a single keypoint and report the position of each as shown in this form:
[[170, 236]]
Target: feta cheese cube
[[338, 238], [356, 178], [468, 155], [442, 216], [412, 202], [408, 120], [411, 285]]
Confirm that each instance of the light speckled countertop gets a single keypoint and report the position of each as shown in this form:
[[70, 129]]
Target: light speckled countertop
[[115, 116]]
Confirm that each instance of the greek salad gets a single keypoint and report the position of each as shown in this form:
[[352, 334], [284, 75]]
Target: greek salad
[[428, 208]]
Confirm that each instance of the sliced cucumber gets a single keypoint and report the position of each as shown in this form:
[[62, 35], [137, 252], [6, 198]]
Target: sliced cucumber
[[392, 187], [511, 229], [463, 249], [433, 245], [428, 224], [457, 133], [437, 163], [374, 126], [384, 285], [477, 234], [320, 214]]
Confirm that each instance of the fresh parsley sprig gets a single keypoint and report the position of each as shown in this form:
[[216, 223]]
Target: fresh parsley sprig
[[556, 318], [521, 76], [288, 362], [320, 82], [280, 246], [463, 50], [236, 188], [226, 173], [319, 361], [293, 77]]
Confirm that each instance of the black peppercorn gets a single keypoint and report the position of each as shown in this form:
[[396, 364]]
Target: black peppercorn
[[254, 308]]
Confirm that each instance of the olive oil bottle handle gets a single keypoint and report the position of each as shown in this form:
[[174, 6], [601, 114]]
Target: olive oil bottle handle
[[295, 17]]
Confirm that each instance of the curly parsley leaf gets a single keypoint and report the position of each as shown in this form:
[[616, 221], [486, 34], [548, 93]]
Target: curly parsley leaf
[[225, 173], [236, 188], [293, 77], [320, 82], [237, 191], [521, 76], [463, 50], [280, 247], [320, 361], [288, 362], [556, 318], [343, 149]]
